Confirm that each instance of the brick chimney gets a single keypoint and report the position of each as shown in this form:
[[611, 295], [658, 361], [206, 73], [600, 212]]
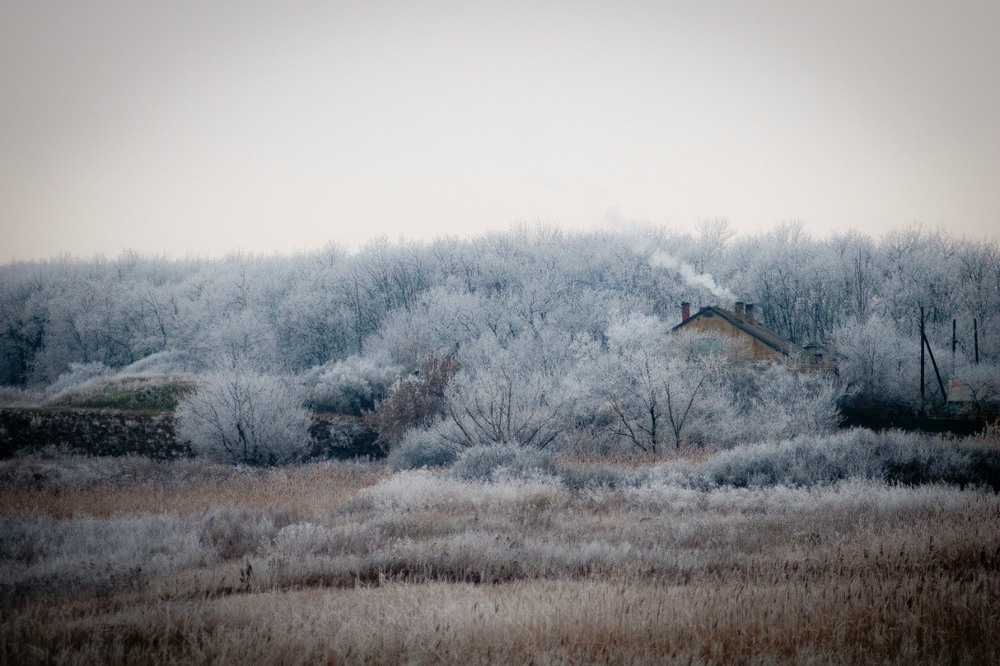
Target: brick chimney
[[750, 314], [685, 311], [739, 308]]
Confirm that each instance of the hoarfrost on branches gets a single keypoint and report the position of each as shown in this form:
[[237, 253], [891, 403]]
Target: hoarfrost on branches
[[243, 417]]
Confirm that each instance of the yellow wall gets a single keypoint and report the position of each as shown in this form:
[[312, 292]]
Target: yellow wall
[[750, 347]]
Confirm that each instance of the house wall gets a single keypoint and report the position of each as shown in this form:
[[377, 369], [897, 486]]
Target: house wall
[[752, 348]]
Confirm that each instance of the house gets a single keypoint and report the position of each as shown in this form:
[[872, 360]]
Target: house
[[759, 343], [976, 397]]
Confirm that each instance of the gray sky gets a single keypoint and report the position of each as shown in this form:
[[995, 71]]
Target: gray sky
[[198, 127]]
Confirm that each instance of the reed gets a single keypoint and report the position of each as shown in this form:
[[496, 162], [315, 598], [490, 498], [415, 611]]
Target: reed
[[337, 563]]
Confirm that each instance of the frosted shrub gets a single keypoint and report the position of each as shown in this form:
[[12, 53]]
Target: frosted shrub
[[650, 386], [488, 463], [352, 385], [767, 402], [894, 457], [301, 539], [243, 417], [877, 365], [413, 402], [878, 368], [77, 375], [422, 448]]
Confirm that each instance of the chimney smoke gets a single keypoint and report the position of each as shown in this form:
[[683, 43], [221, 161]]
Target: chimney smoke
[[689, 275]]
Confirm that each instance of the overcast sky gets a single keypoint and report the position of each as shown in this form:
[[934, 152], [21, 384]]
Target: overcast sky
[[199, 127]]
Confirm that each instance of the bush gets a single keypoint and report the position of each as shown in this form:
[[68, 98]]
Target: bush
[[892, 457], [603, 477], [422, 448], [490, 463], [350, 386], [413, 403], [236, 533], [243, 417]]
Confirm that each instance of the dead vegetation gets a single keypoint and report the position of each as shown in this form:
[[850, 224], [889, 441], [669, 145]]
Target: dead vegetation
[[130, 561]]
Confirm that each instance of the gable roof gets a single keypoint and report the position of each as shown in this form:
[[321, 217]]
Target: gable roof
[[777, 342]]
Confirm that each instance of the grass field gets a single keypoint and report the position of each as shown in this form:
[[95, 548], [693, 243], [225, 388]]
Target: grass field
[[133, 561]]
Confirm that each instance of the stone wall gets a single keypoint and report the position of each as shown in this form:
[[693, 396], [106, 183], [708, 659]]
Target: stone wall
[[116, 433], [94, 432], [339, 437]]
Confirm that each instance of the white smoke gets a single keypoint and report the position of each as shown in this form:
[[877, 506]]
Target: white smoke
[[690, 276]]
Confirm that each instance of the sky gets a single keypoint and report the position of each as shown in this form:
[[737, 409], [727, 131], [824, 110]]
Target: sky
[[200, 127]]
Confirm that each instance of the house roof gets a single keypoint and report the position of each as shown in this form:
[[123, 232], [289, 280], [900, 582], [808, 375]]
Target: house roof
[[768, 337]]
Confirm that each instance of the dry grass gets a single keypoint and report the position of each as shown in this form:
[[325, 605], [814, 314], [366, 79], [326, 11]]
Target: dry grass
[[636, 459], [351, 565], [62, 488]]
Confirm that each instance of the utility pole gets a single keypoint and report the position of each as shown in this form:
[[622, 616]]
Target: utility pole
[[954, 343], [975, 334], [923, 360]]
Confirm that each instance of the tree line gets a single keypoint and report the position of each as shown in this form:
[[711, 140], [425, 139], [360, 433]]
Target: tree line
[[292, 313], [535, 306]]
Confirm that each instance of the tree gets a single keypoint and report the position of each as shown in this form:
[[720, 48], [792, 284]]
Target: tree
[[861, 276], [713, 234], [652, 383], [511, 392], [975, 390], [247, 418], [879, 364], [243, 339], [768, 401]]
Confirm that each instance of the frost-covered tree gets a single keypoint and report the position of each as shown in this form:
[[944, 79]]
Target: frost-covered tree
[[243, 417], [443, 319], [975, 390], [511, 392], [243, 339], [413, 300], [651, 384], [878, 364], [768, 402]]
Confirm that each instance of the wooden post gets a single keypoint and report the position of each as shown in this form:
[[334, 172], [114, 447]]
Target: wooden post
[[923, 360], [937, 373]]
